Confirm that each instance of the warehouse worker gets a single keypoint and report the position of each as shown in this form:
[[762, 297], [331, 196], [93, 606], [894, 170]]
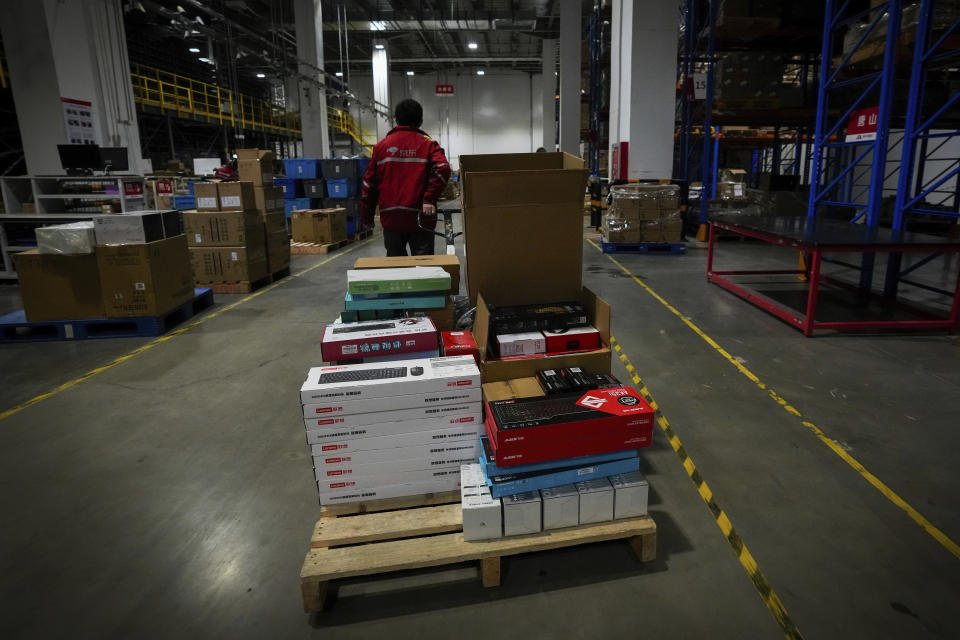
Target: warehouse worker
[[406, 176]]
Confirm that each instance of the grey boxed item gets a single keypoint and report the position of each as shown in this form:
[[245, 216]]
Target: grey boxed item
[[521, 513], [561, 507], [631, 493], [75, 238], [596, 500], [136, 227], [482, 513]]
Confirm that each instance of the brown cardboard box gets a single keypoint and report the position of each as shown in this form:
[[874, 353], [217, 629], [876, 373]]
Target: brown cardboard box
[[222, 228], [637, 208], [274, 222], [145, 279], [237, 196], [207, 195], [511, 389], [450, 264], [598, 313], [268, 198], [321, 226], [256, 166], [523, 226], [278, 251], [633, 234], [59, 287], [228, 264]]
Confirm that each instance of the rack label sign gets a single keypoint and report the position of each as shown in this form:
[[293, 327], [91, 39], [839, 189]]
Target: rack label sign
[[862, 125], [699, 86], [444, 89]]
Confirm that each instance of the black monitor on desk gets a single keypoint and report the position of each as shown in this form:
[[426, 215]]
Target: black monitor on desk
[[80, 159], [114, 159]]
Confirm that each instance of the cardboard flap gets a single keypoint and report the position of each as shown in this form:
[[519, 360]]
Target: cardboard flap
[[599, 310], [481, 326], [498, 188]]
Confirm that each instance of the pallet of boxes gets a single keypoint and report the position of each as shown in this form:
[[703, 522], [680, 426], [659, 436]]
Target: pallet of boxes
[[256, 166], [643, 218], [555, 459], [314, 184], [119, 275], [237, 236]]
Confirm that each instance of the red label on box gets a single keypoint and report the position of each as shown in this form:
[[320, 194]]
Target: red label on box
[[617, 402]]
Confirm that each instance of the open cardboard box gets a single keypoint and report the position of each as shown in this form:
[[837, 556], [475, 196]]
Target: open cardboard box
[[598, 361], [523, 225]]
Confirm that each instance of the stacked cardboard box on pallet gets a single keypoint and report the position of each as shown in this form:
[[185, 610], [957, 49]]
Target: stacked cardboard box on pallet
[[643, 213], [119, 266], [226, 234], [256, 166], [316, 184], [319, 226]]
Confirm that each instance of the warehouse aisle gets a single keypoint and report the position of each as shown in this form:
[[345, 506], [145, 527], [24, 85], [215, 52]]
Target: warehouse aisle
[[172, 495]]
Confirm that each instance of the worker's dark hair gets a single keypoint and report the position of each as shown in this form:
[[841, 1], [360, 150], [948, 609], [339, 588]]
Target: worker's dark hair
[[408, 113]]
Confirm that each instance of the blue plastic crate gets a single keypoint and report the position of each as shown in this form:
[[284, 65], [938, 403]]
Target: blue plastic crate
[[291, 188], [341, 187], [307, 168], [183, 202], [351, 226], [301, 203], [341, 168], [362, 165], [190, 186]]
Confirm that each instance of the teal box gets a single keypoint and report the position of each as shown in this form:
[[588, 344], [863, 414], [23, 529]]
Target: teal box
[[400, 280], [436, 301], [349, 316], [367, 314]]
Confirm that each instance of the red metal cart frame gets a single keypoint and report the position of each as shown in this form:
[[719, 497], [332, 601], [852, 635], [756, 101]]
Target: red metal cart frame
[[807, 322]]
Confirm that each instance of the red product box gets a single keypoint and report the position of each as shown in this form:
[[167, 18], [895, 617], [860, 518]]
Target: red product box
[[541, 429], [346, 341], [459, 343], [572, 339]]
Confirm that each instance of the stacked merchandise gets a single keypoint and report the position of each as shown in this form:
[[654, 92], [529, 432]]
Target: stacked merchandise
[[647, 213], [559, 451], [443, 316], [318, 226], [119, 266], [302, 187], [227, 233], [533, 330], [401, 292], [391, 429], [343, 178], [256, 166]]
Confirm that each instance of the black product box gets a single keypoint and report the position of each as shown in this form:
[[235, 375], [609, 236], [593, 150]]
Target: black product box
[[537, 317]]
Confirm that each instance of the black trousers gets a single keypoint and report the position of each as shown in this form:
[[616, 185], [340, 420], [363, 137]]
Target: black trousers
[[420, 242]]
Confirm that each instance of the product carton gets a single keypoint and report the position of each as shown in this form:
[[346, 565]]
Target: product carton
[[145, 279], [268, 198], [136, 227], [522, 514], [320, 226], [256, 166], [223, 228], [207, 196], [631, 494], [450, 264], [237, 196], [596, 500], [561, 507], [278, 250], [229, 264], [59, 287]]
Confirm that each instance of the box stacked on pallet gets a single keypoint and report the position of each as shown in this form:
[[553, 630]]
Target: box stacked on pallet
[[318, 226], [118, 266], [420, 292], [269, 201], [442, 316], [351, 207], [391, 429], [643, 213], [343, 179], [226, 234]]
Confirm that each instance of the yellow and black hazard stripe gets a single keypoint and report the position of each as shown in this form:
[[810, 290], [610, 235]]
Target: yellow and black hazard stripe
[[747, 561]]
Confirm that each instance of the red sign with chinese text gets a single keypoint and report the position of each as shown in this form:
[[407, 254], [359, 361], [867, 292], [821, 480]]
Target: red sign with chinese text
[[444, 89], [862, 125]]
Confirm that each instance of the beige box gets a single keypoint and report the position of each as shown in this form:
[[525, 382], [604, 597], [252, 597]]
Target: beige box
[[207, 196], [237, 196], [59, 287], [228, 264], [222, 228], [145, 279], [321, 226]]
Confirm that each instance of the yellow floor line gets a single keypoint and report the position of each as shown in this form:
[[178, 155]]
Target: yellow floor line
[[176, 332], [739, 547], [875, 482]]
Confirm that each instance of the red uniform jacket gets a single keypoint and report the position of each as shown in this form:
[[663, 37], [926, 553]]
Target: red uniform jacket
[[407, 169]]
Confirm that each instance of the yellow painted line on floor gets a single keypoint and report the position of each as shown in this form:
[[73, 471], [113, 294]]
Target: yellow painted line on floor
[[739, 547], [938, 535], [176, 332]]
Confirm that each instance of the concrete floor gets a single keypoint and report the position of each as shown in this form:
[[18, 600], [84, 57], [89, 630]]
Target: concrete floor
[[172, 496]]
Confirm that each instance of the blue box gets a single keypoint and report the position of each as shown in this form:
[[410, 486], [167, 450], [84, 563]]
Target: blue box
[[291, 188], [518, 483], [190, 186], [341, 187], [300, 203], [362, 165], [183, 202], [308, 168], [491, 470], [352, 226]]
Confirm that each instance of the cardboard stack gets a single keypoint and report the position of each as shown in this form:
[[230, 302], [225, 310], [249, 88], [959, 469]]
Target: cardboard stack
[[391, 429], [319, 226], [226, 233], [137, 265], [256, 166], [411, 292], [643, 213], [442, 316]]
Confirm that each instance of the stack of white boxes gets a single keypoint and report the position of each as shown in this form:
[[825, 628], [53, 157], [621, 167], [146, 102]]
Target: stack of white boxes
[[482, 513], [391, 429]]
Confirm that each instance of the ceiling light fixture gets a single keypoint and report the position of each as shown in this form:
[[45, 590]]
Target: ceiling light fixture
[[261, 75], [193, 50], [472, 45], [339, 74], [480, 72], [409, 73], [378, 46]]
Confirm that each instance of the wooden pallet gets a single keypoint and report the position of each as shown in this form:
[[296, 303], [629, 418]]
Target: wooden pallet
[[312, 248], [372, 543], [237, 287], [360, 235]]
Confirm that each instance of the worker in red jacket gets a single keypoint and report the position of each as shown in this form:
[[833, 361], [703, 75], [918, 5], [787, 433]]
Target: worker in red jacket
[[406, 176]]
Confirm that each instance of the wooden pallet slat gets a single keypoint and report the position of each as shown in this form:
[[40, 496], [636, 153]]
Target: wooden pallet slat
[[388, 525], [237, 287], [313, 248], [389, 504]]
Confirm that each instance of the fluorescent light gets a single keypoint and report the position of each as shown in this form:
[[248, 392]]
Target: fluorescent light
[[261, 75], [480, 72], [409, 73], [193, 50], [378, 46], [378, 25], [207, 60], [339, 74], [472, 45]]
